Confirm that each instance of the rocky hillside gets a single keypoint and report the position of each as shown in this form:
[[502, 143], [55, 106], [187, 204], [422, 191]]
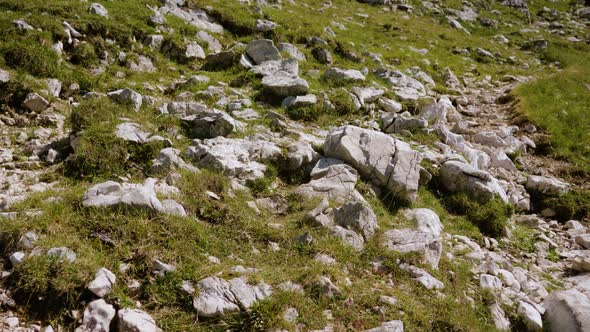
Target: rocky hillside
[[294, 165]]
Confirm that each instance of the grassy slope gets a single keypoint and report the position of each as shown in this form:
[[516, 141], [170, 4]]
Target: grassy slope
[[560, 103]]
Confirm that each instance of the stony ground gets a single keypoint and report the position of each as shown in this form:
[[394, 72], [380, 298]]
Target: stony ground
[[288, 166]]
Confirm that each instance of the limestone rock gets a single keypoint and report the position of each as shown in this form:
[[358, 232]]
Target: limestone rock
[[456, 176], [240, 158], [334, 179], [98, 9], [127, 96], [35, 103], [391, 162], [358, 217], [103, 282], [284, 84], [342, 75], [262, 50], [169, 159], [425, 220], [567, 310], [218, 297], [390, 326], [135, 320], [408, 240], [97, 317], [546, 185], [210, 124]]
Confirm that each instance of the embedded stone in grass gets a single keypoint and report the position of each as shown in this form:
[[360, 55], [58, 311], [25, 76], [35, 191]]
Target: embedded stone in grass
[[135, 320], [239, 158], [17, 258], [127, 96], [342, 75], [299, 101], [292, 51], [98, 9], [327, 288], [133, 132], [284, 84], [97, 316], [218, 297], [210, 124], [103, 282], [334, 179], [546, 185], [4, 76], [357, 216], [262, 50], [62, 253], [169, 159], [425, 220], [408, 240], [35, 103]]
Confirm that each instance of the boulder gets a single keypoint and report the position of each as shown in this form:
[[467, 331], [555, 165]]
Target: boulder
[[405, 87], [546, 185], [397, 123], [239, 158], [377, 156], [98, 9], [169, 159], [97, 317], [262, 50], [367, 94], [408, 240], [135, 320], [133, 132], [213, 44], [103, 282], [210, 124], [299, 101], [530, 316], [358, 217], [344, 75], [292, 51], [334, 179], [111, 194], [425, 220], [284, 84], [127, 96], [456, 176], [567, 310], [300, 154], [268, 68], [218, 297], [35, 103]]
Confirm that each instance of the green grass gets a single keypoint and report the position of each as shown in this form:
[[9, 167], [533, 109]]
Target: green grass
[[559, 103]]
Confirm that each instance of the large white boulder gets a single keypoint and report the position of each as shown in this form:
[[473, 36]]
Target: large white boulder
[[390, 162], [456, 176], [567, 310]]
